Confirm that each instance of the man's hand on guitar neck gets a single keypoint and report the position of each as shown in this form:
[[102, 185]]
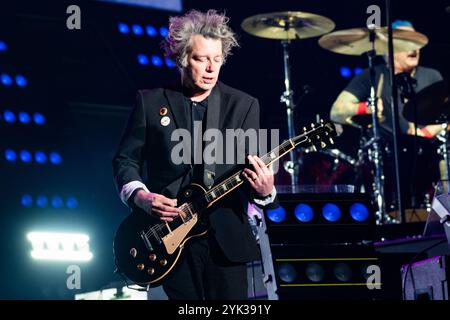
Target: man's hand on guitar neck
[[157, 204], [261, 179]]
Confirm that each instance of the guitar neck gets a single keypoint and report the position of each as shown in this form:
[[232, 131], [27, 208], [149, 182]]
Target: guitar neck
[[235, 180]]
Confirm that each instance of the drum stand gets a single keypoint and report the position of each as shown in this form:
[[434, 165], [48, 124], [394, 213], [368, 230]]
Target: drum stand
[[443, 150], [374, 143], [291, 166]]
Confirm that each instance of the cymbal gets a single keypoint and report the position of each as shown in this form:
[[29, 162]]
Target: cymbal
[[357, 41], [431, 105], [287, 25]]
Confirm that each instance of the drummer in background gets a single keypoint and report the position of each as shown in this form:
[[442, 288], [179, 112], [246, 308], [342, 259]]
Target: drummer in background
[[353, 100]]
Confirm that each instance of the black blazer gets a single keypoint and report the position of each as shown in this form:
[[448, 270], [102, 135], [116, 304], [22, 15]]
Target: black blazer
[[144, 154]]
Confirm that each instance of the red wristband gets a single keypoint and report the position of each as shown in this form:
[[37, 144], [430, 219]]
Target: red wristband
[[426, 133], [362, 108]]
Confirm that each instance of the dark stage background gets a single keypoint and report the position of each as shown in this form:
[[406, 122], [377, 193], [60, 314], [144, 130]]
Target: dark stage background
[[84, 83]]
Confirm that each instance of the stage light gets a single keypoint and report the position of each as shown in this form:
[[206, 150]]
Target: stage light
[[39, 118], [9, 116], [27, 200], [315, 272], [55, 158], [276, 215], [156, 61], [287, 273], [3, 46], [40, 157], [21, 81], [10, 155], [60, 246], [169, 62], [137, 30], [342, 272], [345, 72], [24, 117], [25, 156], [41, 201], [6, 79], [57, 202], [357, 70], [359, 212], [151, 31], [304, 213], [142, 59], [164, 32], [123, 28], [72, 203], [331, 212]]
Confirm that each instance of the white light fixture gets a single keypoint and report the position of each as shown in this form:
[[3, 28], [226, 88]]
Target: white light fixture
[[58, 246]]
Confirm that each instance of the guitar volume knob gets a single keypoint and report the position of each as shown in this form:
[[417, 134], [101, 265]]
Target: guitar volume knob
[[150, 271], [152, 257], [140, 266], [163, 262]]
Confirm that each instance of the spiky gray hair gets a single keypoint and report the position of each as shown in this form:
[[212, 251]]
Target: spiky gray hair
[[211, 24]]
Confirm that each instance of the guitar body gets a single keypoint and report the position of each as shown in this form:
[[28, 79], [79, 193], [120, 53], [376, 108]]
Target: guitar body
[[146, 248]]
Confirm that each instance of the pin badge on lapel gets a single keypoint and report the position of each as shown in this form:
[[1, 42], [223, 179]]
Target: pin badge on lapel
[[162, 111], [165, 121]]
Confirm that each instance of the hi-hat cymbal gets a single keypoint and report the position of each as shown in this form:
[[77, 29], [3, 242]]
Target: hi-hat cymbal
[[430, 105], [287, 25], [357, 41]]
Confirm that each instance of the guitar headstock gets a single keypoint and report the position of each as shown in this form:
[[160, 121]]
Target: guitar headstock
[[317, 136]]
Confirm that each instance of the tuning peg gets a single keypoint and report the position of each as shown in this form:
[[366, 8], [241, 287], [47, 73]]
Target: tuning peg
[[331, 140], [323, 144], [304, 129], [312, 125], [314, 148], [321, 121]]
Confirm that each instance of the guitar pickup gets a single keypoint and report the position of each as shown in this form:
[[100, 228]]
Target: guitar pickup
[[146, 241]]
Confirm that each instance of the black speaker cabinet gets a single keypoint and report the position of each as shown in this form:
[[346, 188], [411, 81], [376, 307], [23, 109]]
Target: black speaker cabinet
[[426, 279]]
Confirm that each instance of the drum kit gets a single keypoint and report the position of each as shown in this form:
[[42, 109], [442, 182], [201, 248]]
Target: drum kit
[[429, 106]]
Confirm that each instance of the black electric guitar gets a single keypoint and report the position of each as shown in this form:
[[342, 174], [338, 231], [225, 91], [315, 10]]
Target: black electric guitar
[[146, 249]]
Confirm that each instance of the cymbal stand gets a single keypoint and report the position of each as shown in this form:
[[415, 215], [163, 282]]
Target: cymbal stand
[[287, 98], [375, 150]]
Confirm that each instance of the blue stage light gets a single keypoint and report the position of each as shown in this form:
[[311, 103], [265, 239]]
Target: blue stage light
[[40, 157], [276, 215], [55, 158], [123, 28], [57, 202], [27, 200], [315, 272], [72, 203], [21, 81], [41, 201], [287, 272], [151, 31], [331, 212], [9, 116], [169, 62], [359, 212], [345, 72], [156, 61], [3, 46], [39, 118], [6, 79], [137, 30], [357, 70], [24, 117], [25, 156], [164, 32], [304, 213], [10, 155], [142, 59]]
